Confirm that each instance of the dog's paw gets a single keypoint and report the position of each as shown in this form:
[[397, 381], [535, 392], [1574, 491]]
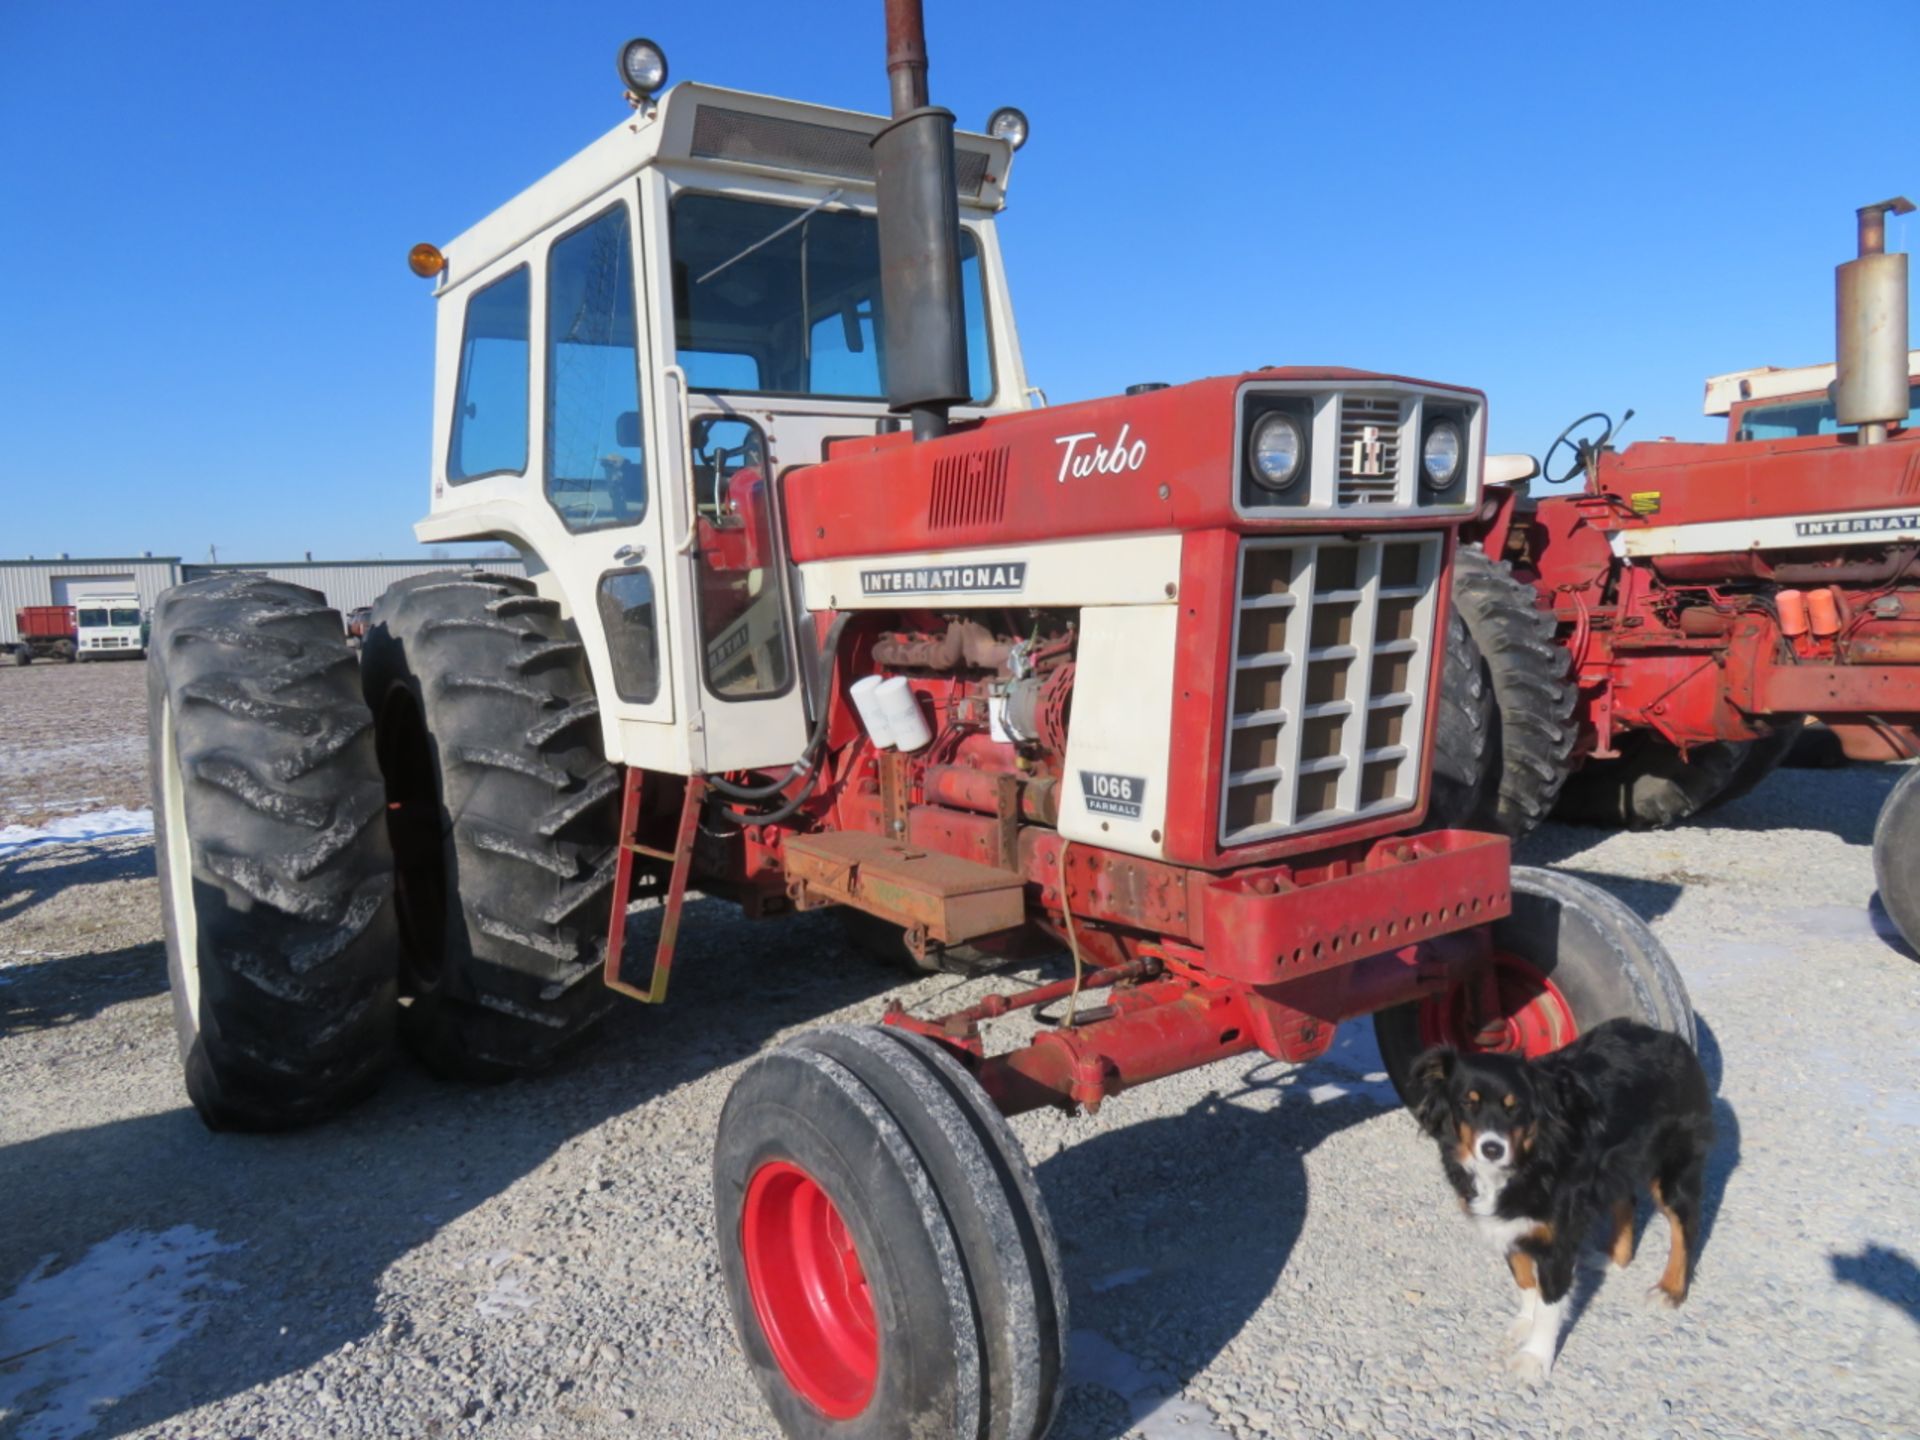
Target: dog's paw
[[1521, 1328], [1661, 1298], [1528, 1368]]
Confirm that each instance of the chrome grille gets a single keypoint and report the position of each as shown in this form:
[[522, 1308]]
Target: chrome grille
[[1332, 653], [1370, 449]]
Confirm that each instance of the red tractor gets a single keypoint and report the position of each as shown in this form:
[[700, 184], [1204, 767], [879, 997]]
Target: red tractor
[[1709, 598], [1151, 681]]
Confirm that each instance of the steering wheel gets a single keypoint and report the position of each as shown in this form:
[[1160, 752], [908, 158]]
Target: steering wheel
[[1581, 449]]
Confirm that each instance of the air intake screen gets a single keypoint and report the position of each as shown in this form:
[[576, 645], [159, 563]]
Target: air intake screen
[[723, 134]]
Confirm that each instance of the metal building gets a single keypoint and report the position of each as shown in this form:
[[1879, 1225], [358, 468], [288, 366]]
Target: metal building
[[347, 584], [66, 581]]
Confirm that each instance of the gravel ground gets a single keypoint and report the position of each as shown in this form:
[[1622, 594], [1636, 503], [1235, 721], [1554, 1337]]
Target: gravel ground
[[1252, 1250]]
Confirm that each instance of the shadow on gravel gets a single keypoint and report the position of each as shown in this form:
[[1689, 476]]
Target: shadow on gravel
[[1551, 846], [1884, 926], [1175, 1231], [1726, 1134], [1844, 802], [320, 1215], [29, 876], [1883, 1272], [42, 995]]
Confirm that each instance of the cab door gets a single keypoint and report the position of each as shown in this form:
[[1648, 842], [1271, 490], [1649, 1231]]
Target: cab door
[[601, 474]]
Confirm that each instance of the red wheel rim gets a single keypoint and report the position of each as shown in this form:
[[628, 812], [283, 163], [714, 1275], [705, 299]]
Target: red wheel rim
[[809, 1289], [1509, 1008]]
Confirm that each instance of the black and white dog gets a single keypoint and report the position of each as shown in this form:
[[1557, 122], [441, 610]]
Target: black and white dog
[[1540, 1150]]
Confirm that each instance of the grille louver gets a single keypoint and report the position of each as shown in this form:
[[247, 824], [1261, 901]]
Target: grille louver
[[1331, 663], [968, 489]]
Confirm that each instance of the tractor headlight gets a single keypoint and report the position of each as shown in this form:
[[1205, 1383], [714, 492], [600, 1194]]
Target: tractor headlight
[[643, 68], [1440, 456], [1277, 452], [1008, 124]]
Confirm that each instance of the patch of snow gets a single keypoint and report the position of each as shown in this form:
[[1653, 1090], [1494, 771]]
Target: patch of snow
[[77, 829], [1153, 1400], [1350, 1070], [1119, 1278], [90, 1335]]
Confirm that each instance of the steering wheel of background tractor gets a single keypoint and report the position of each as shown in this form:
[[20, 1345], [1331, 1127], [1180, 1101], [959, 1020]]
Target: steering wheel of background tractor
[[1580, 450]]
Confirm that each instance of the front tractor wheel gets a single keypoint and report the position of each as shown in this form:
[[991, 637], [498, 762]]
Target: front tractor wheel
[[275, 877], [1650, 785], [890, 1264], [1896, 856], [1569, 957], [500, 805]]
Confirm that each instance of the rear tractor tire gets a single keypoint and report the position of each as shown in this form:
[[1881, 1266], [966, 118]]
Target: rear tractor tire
[[1896, 856], [275, 877], [1569, 957], [501, 809], [889, 1260], [1652, 786], [1513, 644]]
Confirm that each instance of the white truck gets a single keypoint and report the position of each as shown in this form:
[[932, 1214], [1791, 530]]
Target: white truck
[[111, 625]]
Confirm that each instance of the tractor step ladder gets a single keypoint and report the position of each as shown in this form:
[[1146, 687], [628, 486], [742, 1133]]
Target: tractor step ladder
[[680, 858], [948, 899]]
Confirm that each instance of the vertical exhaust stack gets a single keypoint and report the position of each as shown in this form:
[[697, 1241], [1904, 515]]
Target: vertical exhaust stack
[[925, 331], [1870, 318]]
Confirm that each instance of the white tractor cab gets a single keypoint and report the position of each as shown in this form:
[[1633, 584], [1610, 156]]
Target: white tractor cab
[[1775, 403], [689, 299], [110, 626]]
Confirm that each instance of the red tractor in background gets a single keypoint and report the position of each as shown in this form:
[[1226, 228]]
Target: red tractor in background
[[1709, 598]]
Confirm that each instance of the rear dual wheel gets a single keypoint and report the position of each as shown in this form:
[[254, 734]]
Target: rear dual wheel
[[275, 877], [889, 1260], [1569, 957], [501, 809]]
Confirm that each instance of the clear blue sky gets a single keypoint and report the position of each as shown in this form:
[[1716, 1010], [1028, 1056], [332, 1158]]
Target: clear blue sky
[[209, 334]]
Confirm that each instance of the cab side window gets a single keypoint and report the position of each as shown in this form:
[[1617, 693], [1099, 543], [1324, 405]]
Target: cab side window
[[596, 448], [490, 407]]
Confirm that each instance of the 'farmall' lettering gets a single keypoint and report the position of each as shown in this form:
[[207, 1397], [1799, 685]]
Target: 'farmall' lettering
[[1114, 459], [1858, 525], [1009, 576]]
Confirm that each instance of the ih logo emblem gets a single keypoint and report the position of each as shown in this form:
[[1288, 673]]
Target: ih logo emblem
[[1109, 794], [1368, 452]]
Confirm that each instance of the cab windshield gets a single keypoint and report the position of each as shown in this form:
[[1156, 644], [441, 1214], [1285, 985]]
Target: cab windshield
[[1805, 417], [782, 300]]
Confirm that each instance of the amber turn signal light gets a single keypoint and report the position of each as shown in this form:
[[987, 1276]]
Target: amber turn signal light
[[425, 260]]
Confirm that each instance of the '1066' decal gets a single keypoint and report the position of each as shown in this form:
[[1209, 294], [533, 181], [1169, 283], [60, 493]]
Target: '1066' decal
[[1110, 794]]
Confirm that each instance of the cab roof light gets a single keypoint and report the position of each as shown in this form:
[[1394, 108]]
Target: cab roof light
[[643, 69]]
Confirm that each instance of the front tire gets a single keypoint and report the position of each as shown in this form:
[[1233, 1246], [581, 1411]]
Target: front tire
[[275, 877], [890, 1263], [1896, 856], [1569, 957], [501, 811]]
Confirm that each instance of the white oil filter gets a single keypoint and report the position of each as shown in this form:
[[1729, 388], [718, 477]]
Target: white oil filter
[[871, 715], [901, 709]]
